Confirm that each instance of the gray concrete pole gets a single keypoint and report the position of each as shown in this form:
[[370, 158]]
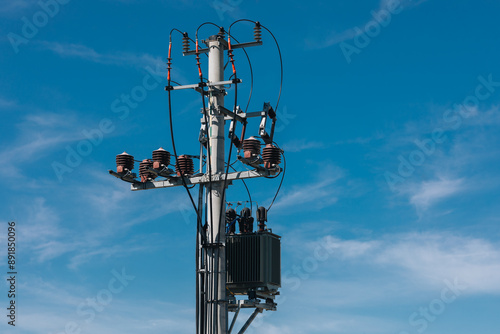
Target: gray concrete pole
[[216, 215]]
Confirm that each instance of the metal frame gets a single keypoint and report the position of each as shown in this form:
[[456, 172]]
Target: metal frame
[[176, 181]]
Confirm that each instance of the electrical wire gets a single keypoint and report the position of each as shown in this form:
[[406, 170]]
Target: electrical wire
[[199, 227], [172, 134], [279, 53], [246, 54], [235, 80], [248, 191], [205, 23], [251, 71], [282, 178]]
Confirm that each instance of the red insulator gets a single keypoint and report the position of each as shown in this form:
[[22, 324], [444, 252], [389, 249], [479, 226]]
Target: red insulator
[[161, 157], [271, 156], [144, 172], [184, 166], [251, 147], [124, 161]]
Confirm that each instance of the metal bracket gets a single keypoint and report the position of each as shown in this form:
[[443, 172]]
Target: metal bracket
[[165, 172], [127, 176], [176, 181], [213, 245], [235, 46], [232, 114], [256, 163], [262, 130], [203, 138], [208, 84], [251, 303]]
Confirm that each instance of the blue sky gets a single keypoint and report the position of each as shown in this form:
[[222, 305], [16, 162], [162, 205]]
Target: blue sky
[[389, 118]]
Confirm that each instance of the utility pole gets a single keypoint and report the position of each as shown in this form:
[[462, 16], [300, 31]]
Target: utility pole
[[216, 221], [246, 263]]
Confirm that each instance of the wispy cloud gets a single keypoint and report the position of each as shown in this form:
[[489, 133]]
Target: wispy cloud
[[89, 54], [299, 145], [319, 194], [350, 277], [7, 104], [14, 7], [429, 193], [401, 266], [434, 257], [50, 307], [39, 133], [430, 171], [336, 37]]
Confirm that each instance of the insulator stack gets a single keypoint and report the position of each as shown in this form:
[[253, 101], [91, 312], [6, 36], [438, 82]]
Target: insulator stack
[[230, 217], [246, 221], [257, 33], [271, 156], [222, 32], [184, 166], [251, 147], [185, 42], [261, 218], [144, 172], [161, 157], [124, 161]]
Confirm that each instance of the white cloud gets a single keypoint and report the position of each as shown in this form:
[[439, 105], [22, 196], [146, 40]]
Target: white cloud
[[432, 258], [86, 254], [338, 37], [428, 193], [14, 7], [462, 160], [299, 145], [393, 272], [39, 133], [319, 194], [49, 309], [7, 104], [89, 54], [425, 260]]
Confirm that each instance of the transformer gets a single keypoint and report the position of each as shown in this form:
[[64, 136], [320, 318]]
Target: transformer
[[253, 262]]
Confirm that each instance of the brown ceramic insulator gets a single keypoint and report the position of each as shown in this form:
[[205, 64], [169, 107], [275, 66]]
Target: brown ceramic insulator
[[184, 166], [271, 156], [251, 147], [257, 33], [162, 156], [144, 172], [124, 161], [185, 43]]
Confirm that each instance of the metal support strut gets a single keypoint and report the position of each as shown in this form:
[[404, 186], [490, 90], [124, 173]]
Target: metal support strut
[[249, 321]]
